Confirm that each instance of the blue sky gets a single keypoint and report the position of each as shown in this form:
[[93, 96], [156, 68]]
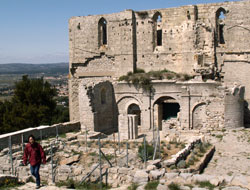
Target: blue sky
[[36, 31]]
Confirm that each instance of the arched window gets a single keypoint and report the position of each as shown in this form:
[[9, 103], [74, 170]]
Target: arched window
[[103, 96], [220, 23], [102, 32], [157, 18]]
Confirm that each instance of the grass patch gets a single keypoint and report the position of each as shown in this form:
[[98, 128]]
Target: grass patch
[[152, 185], [219, 137], [149, 151], [9, 184], [133, 186], [205, 184], [84, 186], [174, 186]]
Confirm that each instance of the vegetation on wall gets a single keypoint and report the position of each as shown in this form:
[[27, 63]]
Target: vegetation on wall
[[33, 104], [143, 80]]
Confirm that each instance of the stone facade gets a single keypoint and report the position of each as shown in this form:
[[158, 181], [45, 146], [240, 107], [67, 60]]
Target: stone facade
[[210, 42]]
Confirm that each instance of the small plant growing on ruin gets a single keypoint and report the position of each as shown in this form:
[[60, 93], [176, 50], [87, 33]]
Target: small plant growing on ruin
[[9, 183], [133, 186], [172, 167], [168, 146], [149, 151], [181, 164], [143, 80], [152, 185], [205, 184], [174, 186]]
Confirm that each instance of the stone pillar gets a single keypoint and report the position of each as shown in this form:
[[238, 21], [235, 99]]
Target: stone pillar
[[128, 127], [234, 107]]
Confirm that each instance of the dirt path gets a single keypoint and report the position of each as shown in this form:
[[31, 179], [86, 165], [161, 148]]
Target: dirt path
[[232, 156]]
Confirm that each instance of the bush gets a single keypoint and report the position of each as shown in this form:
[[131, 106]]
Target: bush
[[169, 147], [174, 186], [181, 164], [149, 152], [133, 186], [205, 184], [152, 185]]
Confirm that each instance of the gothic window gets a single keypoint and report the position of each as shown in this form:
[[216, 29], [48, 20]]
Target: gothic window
[[103, 96], [157, 18], [220, 23], [102, 32]]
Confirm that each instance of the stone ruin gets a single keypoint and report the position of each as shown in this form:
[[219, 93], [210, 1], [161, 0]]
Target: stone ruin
[[209, 42]]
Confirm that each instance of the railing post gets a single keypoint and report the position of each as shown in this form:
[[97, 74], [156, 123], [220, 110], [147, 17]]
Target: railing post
[[145, 156], [100, 160], [56, 132], [22, 141], [10, 152], [51, 154], [127, 153], [41, 135]]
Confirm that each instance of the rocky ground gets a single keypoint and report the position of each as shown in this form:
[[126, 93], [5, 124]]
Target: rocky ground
[[229, 168], [232, 155]]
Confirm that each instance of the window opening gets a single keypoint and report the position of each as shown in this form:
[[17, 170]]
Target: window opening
[[102, 32], [220, 23], [158, 29]]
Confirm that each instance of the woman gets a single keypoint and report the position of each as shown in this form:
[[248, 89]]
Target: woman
[[35, 153]]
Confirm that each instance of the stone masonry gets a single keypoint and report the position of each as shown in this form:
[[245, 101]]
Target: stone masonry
[[209, 42]]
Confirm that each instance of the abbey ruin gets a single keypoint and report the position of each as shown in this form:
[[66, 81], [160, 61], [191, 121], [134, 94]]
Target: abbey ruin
[[209, 42]]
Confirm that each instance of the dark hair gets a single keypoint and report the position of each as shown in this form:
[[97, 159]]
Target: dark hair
[[32, 137]]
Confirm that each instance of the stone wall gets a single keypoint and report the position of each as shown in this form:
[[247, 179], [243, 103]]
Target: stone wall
[[208, 40], [97, 105], [38, 132]]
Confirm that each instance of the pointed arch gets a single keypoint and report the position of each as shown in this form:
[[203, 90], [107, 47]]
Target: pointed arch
[[102, 32], [157, 29], [220, 17]]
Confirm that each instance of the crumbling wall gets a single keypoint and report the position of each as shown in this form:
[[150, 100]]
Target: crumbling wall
[[193, 39], [234, 107], [97, 106]]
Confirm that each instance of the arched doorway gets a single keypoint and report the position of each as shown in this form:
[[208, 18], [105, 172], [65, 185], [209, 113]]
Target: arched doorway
[[135, 109], [199, 116], [165, 108]]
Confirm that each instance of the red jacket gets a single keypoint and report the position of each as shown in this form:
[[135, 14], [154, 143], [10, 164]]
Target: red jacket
[[34, 152]]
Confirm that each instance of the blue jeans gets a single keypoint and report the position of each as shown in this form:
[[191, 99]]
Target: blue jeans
[[35, 172]]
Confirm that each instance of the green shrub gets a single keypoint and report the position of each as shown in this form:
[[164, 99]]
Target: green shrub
[[168, 146], [133, 186], [174, 186], [149, 151], [205, 184], [181, 164], [152, 185], [9, 183], [139, 70]]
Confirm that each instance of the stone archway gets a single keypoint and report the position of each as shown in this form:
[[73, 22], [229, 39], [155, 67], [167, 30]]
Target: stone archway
[[135, 110], [199, 116], [165, 108]]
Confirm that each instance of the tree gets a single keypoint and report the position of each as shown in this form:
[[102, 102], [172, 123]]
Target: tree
[[33, 104]]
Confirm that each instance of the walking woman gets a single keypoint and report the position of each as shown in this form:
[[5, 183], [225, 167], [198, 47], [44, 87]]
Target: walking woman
[[35, 154]]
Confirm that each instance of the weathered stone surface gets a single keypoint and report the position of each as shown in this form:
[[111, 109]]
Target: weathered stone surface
[[70, 160], [140, 177], [185, 188], [156, 174], [234, 188], [162, 187], [171, 176]]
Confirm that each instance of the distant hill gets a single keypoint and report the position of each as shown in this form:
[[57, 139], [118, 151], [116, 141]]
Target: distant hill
[[25, 68]]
